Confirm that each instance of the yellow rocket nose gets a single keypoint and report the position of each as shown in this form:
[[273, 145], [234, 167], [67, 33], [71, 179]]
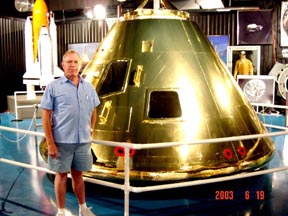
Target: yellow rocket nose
[[39, 18]]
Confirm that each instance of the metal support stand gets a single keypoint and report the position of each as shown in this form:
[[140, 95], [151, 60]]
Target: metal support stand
[[35, 121]]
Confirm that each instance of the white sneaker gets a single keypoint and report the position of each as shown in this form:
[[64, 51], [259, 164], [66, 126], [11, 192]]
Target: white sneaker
[[60, 214], [86, 212]]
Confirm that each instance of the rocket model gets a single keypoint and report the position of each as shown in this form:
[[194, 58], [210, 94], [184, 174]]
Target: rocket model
[[160, 81], [40, 49]]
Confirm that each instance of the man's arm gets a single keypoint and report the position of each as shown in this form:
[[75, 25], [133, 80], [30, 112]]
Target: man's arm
[[236, 69], [251, 69], [46, 123], [93, 119]]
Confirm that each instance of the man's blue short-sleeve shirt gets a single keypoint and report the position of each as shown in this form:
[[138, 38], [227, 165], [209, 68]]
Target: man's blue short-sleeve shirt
[[72, 108]]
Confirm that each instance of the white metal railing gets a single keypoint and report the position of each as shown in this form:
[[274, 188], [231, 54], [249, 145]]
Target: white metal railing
[[16, 106], [273, 106], [127, 188], [270, 105]]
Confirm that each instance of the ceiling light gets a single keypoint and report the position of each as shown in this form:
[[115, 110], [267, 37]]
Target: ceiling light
[[208, 4], [99, 11], [89, 13]]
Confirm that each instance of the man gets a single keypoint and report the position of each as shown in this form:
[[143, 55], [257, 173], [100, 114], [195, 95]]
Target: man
[[68, 114], [243, 66]]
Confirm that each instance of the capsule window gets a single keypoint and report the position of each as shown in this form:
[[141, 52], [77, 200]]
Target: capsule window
[[164, 104], [114, 79]]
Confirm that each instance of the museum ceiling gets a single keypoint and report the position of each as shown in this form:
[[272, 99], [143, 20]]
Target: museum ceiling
[[75, 9]]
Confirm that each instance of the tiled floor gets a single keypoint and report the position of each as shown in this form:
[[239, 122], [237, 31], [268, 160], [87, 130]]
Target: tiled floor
[[29, 192]]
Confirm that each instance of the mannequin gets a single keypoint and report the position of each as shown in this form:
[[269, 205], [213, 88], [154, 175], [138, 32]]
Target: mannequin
[[243, 66]]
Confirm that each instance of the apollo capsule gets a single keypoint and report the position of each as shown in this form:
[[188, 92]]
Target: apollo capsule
[[159, 81]]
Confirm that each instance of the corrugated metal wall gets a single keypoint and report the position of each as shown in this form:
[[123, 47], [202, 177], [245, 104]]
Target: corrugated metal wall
[[12, 60], [12, 45], [12, 55], [217, 23], [86, 31]]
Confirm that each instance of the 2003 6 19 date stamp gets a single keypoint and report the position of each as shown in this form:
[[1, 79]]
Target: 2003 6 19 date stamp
[[229, 195]]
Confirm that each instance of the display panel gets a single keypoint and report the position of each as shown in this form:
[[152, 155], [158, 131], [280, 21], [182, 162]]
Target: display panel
[[85, 50], [252, 53], [254, 27], [284, 24], [220, 43], [259, 90]]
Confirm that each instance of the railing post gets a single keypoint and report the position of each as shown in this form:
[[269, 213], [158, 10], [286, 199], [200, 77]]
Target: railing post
[[126, 181], [15, 105], [286, 111], [35, 121]]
